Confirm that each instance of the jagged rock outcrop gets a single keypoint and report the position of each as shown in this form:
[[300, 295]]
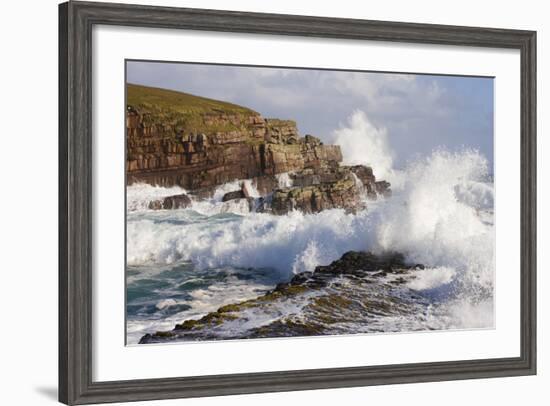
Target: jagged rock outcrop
[[382, 188], [236, 194], [242, 193], [354, 263], [171, 202], [179, 139], [317, 189], [357, 290], [313, 199]]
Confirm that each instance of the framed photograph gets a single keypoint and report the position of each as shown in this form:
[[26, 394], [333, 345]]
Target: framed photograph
[[259, 202]]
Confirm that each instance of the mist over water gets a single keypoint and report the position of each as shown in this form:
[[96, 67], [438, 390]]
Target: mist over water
[[184, 263]]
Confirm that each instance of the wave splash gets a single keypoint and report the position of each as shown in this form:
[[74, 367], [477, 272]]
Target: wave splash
[[362, 142], [440, 215]]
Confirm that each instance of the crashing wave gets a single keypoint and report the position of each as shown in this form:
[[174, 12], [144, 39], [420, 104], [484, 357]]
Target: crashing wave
[[440, 215]]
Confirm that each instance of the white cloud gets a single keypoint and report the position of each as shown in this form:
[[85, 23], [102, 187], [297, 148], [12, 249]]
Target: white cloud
[[417, 113]]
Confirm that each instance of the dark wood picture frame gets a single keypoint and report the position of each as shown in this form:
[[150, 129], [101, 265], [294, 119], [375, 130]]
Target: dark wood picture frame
[[76, 20]]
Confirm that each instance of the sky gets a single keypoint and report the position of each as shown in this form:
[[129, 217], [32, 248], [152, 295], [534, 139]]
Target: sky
[[404, 116]]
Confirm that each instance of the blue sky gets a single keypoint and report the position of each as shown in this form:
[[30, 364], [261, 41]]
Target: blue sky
[[416, 113]]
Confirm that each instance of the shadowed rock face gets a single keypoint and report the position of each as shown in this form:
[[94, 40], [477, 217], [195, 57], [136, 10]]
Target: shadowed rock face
[[179, 139], [343, 297]]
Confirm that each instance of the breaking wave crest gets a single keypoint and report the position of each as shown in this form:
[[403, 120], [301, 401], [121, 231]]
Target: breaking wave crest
[[440, 215], [364, 143]]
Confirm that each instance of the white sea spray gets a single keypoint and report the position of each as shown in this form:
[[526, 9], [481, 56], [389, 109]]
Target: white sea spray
[[427, 219], [364, 143], [440, 215], [284, 180], [138, 196]]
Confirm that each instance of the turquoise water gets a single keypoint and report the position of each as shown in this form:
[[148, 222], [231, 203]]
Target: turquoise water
[[158, 297]]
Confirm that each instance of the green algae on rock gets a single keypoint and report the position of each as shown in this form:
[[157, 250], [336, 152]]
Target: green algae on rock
[[356, 288]]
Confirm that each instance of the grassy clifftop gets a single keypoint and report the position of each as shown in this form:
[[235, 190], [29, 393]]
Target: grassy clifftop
[[152, 99], [184, 112]]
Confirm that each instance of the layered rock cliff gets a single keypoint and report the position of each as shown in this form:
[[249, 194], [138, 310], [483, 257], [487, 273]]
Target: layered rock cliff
[[197, 143]]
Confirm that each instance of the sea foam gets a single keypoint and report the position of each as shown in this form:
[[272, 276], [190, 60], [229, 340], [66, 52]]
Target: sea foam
[[433, 217]]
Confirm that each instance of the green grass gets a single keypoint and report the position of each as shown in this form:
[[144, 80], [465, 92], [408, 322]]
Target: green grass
[[182, 112], [276, 122], [152, 98]]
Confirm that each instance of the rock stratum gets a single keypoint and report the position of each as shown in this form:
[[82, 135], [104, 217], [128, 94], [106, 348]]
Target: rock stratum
[[196, 143]]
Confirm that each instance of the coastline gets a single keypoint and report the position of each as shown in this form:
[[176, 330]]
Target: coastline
[[226, 211]]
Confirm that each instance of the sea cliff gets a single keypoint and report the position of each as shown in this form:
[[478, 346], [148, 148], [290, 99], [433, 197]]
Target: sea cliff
[[178, 139]]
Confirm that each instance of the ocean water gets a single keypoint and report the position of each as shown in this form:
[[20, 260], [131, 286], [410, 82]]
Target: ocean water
[[182, 264]]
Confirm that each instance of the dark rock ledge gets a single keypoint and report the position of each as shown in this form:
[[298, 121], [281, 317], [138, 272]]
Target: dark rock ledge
[[361, 268], [171, 202]]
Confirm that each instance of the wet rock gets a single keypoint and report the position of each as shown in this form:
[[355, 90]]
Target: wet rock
[[286, 328], [383, 188], [363, 177], [364, 173], [242, 193], [313, 199], [240, 205], [353, 263], [237, 194], [171, 202], [355, 287], [366, 262]]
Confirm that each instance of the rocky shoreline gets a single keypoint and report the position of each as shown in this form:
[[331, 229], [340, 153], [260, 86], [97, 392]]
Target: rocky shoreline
[[199, 144], [357, 288]]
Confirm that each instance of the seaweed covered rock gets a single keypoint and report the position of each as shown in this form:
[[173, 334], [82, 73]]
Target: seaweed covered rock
[[354, 261], [350, 293]]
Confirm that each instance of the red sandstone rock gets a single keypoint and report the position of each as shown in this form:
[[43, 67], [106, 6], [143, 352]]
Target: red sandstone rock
[[212, 146]]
